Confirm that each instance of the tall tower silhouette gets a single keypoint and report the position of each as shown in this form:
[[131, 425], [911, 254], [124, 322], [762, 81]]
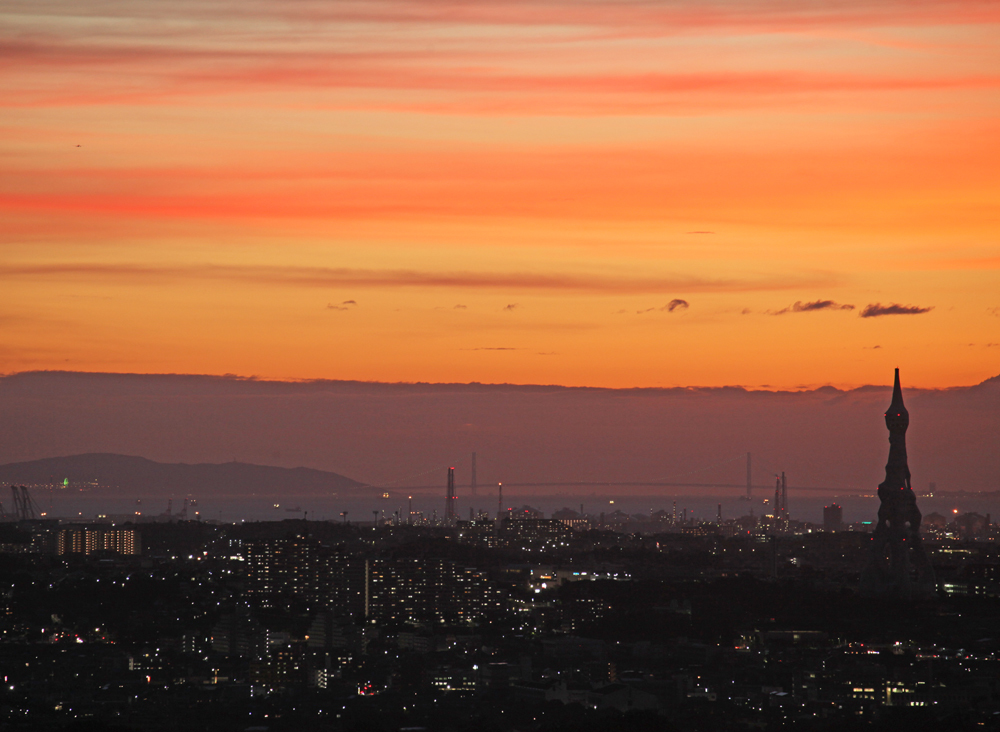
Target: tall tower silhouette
[[898, 566], [449, 506], [777, 502]]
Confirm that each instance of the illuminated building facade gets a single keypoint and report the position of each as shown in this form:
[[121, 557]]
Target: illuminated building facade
[[384, 589], [81, 540], [533, 534], [428, 590], [297, 567]]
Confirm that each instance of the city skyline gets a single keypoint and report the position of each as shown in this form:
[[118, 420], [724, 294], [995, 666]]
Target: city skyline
[[499, 365], [515, 621]]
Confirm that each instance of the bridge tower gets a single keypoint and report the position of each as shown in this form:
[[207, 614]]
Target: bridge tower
[[449, 506]]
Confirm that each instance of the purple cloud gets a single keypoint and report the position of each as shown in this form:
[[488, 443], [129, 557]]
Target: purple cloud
[[875, 310]]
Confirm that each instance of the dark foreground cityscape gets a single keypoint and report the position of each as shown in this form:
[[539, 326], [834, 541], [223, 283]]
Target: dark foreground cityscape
[[513, 621]]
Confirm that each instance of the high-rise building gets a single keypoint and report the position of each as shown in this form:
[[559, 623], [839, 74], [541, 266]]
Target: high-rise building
[[833, 518], [525, 531], [429, 590], [422, 590], [898, 566], [304, 569]]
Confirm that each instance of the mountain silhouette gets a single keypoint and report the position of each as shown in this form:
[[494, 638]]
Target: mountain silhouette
[[110, 473]]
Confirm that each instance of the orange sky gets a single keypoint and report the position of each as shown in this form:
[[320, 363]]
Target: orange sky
[[503, 191]]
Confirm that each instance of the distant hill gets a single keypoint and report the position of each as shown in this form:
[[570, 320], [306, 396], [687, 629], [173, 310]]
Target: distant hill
[[110, 473]]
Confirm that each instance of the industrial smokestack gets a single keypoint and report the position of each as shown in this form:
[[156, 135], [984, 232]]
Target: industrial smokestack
[[777, 499]]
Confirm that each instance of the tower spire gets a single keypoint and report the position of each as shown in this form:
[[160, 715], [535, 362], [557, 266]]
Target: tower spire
[[896, 407], [898, 565]]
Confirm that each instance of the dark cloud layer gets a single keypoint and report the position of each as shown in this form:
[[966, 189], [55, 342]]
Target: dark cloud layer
[[875, 310], [348, 277], [383, 432]]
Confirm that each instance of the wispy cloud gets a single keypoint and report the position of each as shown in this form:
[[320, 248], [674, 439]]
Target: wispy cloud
[[413, 46], [460, 307], [471, 89], [809, 307], [637, 17], [348, 277], [875, 310], [349, 302], [491, 348]]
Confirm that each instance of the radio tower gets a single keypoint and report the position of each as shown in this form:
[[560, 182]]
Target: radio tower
[[449, 506]]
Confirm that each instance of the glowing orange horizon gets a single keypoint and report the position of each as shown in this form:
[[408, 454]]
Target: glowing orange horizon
[[504, 192]]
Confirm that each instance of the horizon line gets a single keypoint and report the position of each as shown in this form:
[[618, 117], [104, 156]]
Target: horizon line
[[767, 388]]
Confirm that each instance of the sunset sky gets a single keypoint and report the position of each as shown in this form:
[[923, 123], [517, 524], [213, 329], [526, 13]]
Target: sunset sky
[[580, 192]]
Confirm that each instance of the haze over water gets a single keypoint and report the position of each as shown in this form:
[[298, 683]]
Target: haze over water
[[703, 506]]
